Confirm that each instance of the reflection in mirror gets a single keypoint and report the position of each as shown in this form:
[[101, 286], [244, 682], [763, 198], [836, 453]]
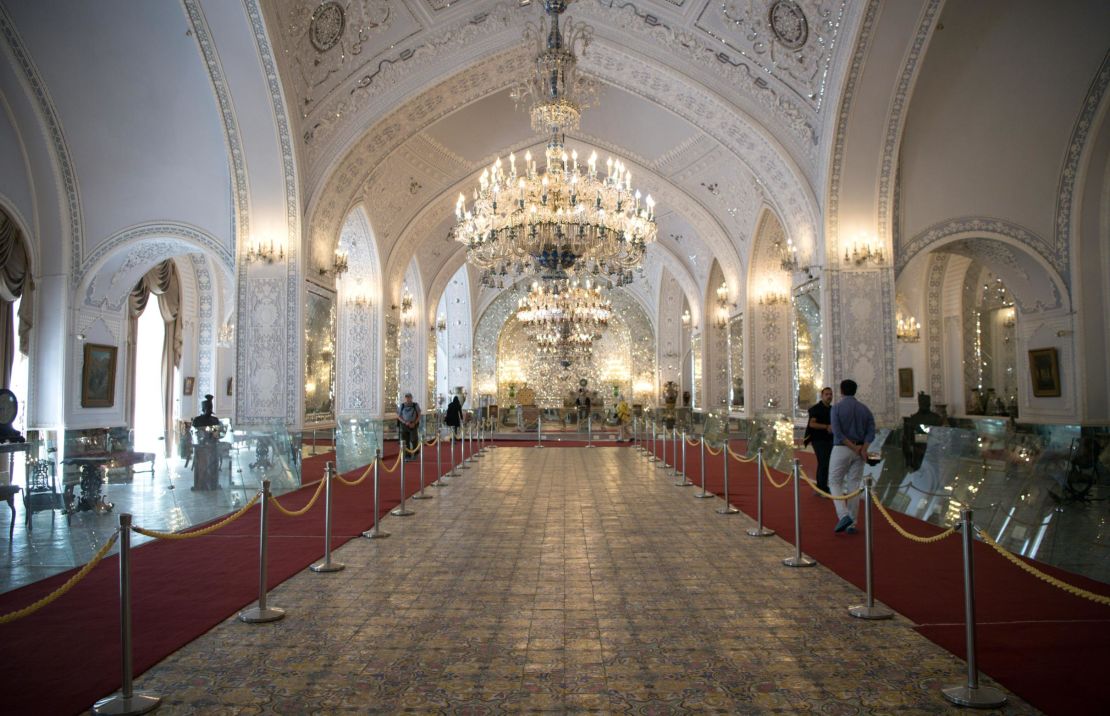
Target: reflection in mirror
[[736, 362], [319, 352], [990, 355], [808, 375], [695, 361]]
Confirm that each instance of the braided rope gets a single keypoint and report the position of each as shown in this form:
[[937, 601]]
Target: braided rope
[[900, 530], [395, 463], [829, 495], [306, 508], [767, 472], [352, 483], [740, 458], [412, 451], [1069, 588], [60, 591], [433, 441], [692, 443], [712, 452], [201, 532]]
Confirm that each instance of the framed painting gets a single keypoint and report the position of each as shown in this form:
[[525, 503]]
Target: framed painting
[[187, 389], [905, 382], [98, 376], [229, 384], [1044, 372]]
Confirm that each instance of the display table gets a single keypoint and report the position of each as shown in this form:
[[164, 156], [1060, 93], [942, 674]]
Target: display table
[[91, 469]]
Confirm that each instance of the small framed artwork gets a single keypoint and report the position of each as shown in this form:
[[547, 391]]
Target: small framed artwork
[[905, 382], [229, 382], [190, 381], [98, 376], [1044, 372]]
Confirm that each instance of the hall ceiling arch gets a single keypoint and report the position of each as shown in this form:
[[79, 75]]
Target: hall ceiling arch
[[745, 143]]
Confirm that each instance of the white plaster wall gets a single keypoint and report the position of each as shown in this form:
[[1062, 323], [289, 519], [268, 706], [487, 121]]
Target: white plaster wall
[[16, 193]]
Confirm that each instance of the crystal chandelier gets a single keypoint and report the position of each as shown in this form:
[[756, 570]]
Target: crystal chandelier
[[566, 217], [555, 304]]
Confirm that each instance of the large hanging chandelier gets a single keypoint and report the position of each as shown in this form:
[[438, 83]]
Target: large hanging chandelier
[[554, 304], [566, 217]]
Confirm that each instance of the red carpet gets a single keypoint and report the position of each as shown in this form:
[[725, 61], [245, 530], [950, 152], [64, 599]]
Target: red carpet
[[1048, 646], [180, 589]]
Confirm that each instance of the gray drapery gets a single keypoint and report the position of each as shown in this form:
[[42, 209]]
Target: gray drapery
[[163, 282], [15, 281]]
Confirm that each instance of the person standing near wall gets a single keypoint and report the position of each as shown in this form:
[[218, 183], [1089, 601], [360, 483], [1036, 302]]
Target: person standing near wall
[[453, 418], [819, 434], [408, 416], [853, 427]]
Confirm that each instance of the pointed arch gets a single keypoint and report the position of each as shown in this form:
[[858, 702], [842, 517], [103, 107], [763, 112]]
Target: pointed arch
[[359, 339]]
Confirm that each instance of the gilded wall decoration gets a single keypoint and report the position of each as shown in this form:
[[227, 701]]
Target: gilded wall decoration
[[319, 353]]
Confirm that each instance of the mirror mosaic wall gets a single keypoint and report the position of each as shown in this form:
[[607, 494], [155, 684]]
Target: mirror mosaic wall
[[319, 351], [808, 373]]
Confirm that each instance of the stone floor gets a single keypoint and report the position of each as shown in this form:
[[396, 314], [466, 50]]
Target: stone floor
[[562, 581]]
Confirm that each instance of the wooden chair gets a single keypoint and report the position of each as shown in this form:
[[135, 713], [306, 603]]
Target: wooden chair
[[42, 490]]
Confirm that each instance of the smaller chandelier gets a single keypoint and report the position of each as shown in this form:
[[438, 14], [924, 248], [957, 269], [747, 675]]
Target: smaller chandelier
[[908, 330], [564, 303]]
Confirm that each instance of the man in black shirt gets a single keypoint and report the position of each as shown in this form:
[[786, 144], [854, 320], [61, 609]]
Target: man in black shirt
[[819, 434]]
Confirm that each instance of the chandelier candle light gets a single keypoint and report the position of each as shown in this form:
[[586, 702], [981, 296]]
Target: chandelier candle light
[[568, 217]]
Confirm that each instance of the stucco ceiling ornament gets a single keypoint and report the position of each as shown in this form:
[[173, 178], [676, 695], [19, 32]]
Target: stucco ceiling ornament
[[327, 26], [789, 24]]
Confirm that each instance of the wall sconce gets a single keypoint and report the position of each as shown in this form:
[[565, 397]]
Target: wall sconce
[[408, 313], [687, 320], [789, 255], [1009, 317], [864, 253], [359, 301], [721, 317], [338, 265], [265, 253], [225, 335], [908, 330], [772, 297]]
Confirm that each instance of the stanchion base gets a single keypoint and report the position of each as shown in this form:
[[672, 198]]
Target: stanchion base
[[328, 567], [118, 705], [537, 446], [727, 510], [439, 483], [371, 534], [684, 483], [760, 532], [704, 495], [652, 458], [398, 512], [454, 473], [421, 496], [463, 466], [255, 615], [591, 446], [802, 561], [862, 611], [983, 697]]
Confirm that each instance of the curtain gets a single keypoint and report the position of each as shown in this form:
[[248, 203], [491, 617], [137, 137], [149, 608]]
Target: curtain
[[161, 281], [15, 282]]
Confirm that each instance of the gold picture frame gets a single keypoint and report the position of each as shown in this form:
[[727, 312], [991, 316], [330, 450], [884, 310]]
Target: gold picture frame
[[98, 376], [1044, 372], [905, 382], [187, 388]]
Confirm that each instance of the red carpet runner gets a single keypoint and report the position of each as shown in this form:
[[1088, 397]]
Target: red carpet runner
[[66, 656], [1048, 646]]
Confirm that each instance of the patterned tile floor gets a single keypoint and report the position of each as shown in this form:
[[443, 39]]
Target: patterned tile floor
[[562, 581]]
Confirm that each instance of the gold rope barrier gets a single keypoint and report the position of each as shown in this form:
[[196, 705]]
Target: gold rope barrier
[[303, 510], [432, 442], [60, 591], [395, 462], [1070, 589], [711, 452], [829, 495], [352, 483], [767, 472], [207, 530], [740, 458], [900, 530], [692, 443]]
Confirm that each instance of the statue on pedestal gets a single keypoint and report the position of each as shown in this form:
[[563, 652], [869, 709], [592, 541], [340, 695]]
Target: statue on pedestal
[[206, 452]]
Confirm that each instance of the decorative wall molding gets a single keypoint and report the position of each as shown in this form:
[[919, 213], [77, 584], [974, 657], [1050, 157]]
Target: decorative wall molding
[[359, 339], [206, 320], [934, 325], [185, 237], [53, 125]]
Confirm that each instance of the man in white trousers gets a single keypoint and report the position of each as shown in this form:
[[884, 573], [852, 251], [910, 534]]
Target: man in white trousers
[[853, 428]]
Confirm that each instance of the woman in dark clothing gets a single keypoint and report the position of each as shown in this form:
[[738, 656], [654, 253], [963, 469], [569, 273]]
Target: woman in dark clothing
[[453, 419]]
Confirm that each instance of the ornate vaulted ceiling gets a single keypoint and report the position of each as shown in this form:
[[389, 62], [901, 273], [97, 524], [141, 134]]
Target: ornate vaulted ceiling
[[719, 108]]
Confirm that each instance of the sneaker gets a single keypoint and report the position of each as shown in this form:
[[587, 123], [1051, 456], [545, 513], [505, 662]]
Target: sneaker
[[843, 524], [850, 530]]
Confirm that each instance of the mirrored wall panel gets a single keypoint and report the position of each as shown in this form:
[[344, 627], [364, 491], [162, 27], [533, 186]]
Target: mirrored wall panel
[[319, 352], [808, 373]]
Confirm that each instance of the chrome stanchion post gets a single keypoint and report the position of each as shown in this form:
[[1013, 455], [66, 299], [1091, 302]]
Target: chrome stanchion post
[[981, 697], [759, 530], [701, 447], [454, 472], [684, 482], [400, 510], [375, 532], [798, 560], [663, 462], [539, 429], [590, 429], [654, 430], [464, 458], [327, 565], [438, 482], [868, 610], [420, 495], [728, 509], [127, 702], [262, 613]]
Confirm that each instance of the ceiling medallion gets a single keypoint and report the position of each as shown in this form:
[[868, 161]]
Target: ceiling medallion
[[327, 25], [789, 24], [564, 218]]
